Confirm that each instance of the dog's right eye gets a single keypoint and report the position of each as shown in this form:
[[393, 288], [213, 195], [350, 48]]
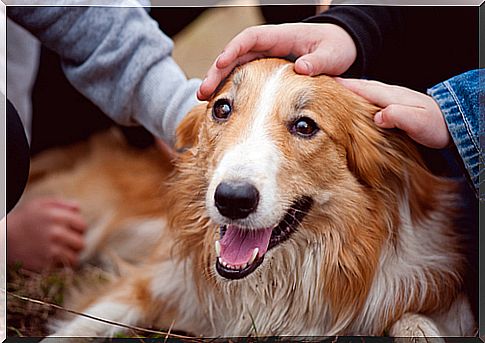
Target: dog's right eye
[[221, 110]]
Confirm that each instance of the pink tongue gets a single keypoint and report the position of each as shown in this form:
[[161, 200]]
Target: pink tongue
[[238, 245]]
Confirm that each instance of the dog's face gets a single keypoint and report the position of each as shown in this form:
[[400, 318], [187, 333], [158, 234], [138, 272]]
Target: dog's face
[[276, 145]]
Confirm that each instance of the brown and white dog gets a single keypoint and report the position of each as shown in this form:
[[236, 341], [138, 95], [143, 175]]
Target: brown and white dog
[[289, 213]]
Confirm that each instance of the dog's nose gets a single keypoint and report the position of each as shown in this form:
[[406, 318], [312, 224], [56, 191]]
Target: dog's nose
[[236, 200]]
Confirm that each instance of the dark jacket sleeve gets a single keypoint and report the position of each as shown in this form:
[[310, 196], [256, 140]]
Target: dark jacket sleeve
[[371, 28], [18, 160]]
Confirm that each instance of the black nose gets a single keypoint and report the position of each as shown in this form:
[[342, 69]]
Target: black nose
[[236, 200]]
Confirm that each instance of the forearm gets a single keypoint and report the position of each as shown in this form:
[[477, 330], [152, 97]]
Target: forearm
[[119, 59]]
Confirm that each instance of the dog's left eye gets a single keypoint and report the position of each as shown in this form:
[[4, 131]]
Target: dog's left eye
[[304, 127], [221, 110]]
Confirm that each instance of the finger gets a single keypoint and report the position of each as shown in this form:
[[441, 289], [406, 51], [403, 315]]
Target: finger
[[210, 83], [382, 94], [68, 238], [305, 66], [253, 39], [412, 120], [69, 218], [68, 204], [216, 75], [321, 61]]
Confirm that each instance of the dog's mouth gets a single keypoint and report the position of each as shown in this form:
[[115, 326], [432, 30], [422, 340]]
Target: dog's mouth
[[240, 251]]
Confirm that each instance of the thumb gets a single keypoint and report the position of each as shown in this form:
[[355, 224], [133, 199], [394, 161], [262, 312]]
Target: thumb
[[321, 61], [416, 122], [412, 120], [315, 63], [406, 118]]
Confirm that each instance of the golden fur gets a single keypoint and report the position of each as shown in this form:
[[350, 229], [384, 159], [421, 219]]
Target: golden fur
[[350, 268]]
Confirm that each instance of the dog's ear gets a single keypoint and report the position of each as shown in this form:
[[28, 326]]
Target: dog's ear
[[376, 155], [188, 129], [366, 147]]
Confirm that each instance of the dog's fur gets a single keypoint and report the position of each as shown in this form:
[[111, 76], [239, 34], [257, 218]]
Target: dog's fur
[[376, 254]]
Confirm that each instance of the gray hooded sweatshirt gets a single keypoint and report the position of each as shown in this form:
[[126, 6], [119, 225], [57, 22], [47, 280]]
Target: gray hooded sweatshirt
[[119, 59]]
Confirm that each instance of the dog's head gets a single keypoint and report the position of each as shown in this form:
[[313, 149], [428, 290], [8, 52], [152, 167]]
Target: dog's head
[[283, 166]]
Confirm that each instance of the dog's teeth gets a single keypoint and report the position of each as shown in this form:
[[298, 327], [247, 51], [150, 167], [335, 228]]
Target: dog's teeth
[[224, 264], [219, 259], [244, 266], [218, 248], [253, 256]]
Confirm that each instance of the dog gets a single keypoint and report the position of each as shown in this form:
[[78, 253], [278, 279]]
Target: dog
[[286, 212]]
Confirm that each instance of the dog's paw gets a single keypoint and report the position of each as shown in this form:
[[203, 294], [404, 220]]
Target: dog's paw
[[415, 328]]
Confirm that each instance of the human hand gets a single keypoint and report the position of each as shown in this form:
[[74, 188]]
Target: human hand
[[320, 48], [45, 232], [415, 113]]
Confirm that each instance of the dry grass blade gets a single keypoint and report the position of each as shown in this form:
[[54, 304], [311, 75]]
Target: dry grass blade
[[168, 332]]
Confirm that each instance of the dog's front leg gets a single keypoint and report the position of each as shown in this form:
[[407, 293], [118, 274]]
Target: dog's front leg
[[415, 328], [128, 300], [109, 308]]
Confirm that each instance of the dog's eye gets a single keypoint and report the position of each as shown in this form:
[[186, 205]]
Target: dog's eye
[[304, 127], [221, 110]]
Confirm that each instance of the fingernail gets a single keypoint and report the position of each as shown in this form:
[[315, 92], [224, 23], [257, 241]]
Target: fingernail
[[200, 95], [378, 118], [219, 57], [202, 84], [308, 67]]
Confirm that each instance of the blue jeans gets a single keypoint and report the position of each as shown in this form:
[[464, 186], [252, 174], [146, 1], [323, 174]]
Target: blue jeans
[[461, 100]]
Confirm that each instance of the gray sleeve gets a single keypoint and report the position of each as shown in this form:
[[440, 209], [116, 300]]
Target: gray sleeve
[[119, 59]]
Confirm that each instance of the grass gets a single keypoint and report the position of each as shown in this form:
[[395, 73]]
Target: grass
[[26, 319]]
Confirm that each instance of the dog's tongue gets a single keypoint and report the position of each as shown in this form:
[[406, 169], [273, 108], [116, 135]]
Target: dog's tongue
[[238, 245]]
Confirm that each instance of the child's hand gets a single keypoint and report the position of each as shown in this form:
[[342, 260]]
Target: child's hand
[[321, 48], [44, 233], [415, 113]]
